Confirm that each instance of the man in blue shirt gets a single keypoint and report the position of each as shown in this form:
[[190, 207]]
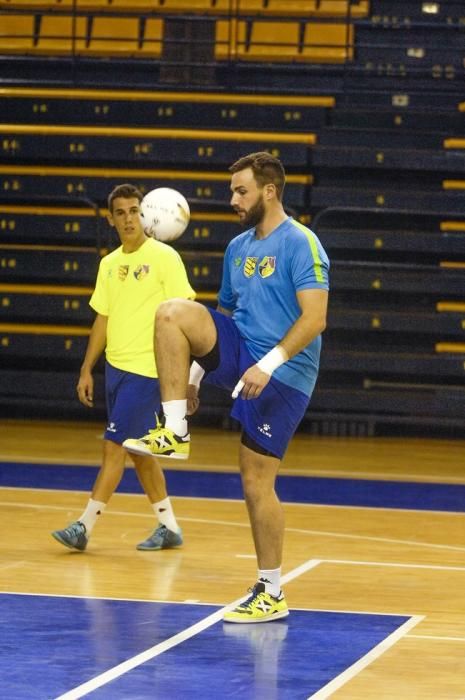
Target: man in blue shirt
[[262, 344]]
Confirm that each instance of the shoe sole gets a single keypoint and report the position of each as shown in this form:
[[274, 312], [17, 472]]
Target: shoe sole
[[175, 455], [157, 549], [276, 616], [147, 453]]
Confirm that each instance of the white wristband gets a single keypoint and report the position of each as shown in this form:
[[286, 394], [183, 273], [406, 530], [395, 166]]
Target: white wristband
[[196, 374], [272, 360]]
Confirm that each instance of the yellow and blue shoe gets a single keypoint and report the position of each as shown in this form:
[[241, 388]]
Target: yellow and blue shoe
[[160, 442], [260, 607]]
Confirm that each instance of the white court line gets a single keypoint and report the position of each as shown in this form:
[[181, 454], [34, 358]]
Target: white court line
[[434, 638], [13, 565], [366, 660], [229, 523], [100, 597], [158, 649], [393, 564], [388, 540]]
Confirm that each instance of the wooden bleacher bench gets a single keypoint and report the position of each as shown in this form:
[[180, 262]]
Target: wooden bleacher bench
[[299, 8], [312, 8], [393, 321], [378, 404], [54, 305], [386, 277], [433, 201], [45, 304], [159, 108], [381, 158], [42, 341], [327, 43], [281, 41], [17, 34], [26, 263], [36, 224], [408, 364], [172, 147], [388, 241], [454, 185], [49, 224], [455, 142], [29, 391], [208, 186]]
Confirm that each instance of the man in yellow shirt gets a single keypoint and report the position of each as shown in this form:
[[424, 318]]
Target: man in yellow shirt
[[131, 283]]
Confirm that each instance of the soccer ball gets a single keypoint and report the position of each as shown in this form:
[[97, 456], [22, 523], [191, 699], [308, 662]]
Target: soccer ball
[[165, 214]]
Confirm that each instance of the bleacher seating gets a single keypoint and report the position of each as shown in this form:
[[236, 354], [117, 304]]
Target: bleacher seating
[[29, 181], [219, 111], [363, 101], [282, 42], [16, 34], [244, 40], [298, 8], [162, 147]]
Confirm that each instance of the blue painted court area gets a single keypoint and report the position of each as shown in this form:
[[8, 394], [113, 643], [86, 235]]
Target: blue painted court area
[[51, 645], [291, 489]]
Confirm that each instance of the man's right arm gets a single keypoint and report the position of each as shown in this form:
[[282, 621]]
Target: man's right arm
[[95, 347]]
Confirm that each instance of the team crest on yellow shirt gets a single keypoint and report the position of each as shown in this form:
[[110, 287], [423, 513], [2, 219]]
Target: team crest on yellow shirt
[[141, 271], [249, 266], [123, 272], [267, 266]]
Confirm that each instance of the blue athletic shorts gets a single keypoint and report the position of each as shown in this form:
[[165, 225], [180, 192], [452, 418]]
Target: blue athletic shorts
[[132, 402], [270, 420]]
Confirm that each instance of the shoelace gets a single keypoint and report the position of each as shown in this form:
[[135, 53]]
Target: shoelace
[[159, 531], [75, 529], [254, 595]]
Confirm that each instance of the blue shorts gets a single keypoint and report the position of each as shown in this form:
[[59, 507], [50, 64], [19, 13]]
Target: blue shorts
[[270, 420], [132, 402]]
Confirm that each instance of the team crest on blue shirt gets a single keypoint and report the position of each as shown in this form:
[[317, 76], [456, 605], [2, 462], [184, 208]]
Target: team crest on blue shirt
[[123, 272], [267, 266], [249, 266], [141, 271]]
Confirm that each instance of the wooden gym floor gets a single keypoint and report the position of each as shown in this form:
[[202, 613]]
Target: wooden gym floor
[[374, 572]]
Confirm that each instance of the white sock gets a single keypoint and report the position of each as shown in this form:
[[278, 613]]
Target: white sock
[[272, 580], [91, 513], [164, 512], [175, 416]]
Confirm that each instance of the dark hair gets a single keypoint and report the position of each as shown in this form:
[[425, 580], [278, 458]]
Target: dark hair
[[126, 191], [266, 169]]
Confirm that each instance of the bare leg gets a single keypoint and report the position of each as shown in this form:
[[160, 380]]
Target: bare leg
[[266, 514], [151, 477], [182, 328], [111, 471]]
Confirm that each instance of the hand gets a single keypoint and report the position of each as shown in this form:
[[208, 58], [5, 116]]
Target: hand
[[251, 384], [192, 399], [85, 389]]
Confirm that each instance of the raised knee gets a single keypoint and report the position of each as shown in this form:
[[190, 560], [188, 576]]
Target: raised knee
[[168, 311]]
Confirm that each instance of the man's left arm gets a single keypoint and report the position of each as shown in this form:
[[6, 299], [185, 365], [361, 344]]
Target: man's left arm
[[312, 321]]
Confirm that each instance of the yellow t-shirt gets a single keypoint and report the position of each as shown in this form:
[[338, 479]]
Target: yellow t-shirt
[[129, 289]]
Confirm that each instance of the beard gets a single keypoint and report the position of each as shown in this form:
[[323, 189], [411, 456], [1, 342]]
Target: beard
[[255, 214]]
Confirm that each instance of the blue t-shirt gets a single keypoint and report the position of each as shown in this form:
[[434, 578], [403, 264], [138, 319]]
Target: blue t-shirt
[[260, 281]]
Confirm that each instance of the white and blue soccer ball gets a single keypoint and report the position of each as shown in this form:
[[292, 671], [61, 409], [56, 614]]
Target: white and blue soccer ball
[[165, 214]]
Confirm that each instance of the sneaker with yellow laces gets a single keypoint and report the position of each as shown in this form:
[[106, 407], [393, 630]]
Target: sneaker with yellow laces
[[260, 607], [160, 442]]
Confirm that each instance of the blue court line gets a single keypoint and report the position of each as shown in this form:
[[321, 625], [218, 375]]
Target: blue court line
[[54, 644], [291, 489]]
